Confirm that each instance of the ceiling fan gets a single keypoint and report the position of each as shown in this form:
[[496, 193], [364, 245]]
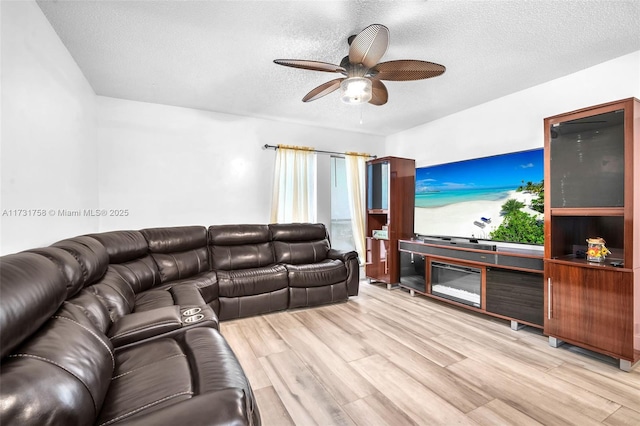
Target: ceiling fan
[[362, 72]]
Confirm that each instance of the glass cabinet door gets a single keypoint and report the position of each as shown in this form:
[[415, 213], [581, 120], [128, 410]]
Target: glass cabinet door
[[587, 162], [378, 186], [412, 271]]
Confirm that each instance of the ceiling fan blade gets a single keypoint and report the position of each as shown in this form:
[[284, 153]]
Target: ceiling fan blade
[[322, 90], [406, 70], [369, 46], [311, 65], [379, 94]]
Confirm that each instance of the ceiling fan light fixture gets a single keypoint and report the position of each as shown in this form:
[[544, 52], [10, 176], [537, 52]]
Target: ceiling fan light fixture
[[356, 90], [362, 69]]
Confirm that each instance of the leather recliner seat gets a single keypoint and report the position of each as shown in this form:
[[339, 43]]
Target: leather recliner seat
[[317, 274], [250, 282]]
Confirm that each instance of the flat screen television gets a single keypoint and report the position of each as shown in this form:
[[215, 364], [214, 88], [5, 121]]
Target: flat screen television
[[497, 198]]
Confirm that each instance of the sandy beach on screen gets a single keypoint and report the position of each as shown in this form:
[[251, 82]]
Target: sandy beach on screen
[[458, 219]]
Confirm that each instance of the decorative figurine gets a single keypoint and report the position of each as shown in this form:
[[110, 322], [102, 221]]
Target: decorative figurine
[[596, 250]]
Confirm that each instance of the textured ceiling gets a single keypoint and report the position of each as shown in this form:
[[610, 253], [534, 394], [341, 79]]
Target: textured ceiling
[[218, 55]]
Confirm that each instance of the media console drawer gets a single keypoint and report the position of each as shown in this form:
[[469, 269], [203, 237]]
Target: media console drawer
[[516, 294], [520, 262]]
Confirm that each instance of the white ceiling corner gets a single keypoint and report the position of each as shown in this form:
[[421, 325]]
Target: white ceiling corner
[[218, 55]]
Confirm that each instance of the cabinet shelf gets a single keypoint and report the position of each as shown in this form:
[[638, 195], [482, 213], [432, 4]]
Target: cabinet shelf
[[598, 211], [572, 259]]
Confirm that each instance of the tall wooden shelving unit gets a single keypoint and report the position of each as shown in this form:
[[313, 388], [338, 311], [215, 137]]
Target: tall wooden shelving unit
[[592, 189], [390, 207]]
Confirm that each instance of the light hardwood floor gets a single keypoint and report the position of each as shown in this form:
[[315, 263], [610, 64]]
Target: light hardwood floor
[[386, 358]]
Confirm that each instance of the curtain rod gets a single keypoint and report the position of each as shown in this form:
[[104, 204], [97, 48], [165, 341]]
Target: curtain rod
[[302, 148]]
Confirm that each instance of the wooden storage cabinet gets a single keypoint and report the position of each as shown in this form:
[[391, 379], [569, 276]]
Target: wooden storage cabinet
[[591, 307], [390, 209], [377, 259], [592, 173]]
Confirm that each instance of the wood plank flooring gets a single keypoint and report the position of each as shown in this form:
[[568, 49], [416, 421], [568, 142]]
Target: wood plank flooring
[[386, 358]]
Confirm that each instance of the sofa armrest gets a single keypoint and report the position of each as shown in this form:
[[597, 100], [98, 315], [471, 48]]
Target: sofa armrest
[[159, 322], [142, 325], [345, 256], [350, 259]]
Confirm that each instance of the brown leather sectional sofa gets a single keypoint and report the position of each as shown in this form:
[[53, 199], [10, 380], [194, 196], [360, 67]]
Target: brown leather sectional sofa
[[122, 327]]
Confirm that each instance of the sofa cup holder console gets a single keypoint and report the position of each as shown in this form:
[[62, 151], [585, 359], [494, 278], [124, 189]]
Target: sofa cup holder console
[[191, 312], [193, 318]]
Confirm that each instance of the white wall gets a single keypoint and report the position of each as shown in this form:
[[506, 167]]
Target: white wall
[[176, 166], [515, 122], [48, 145]]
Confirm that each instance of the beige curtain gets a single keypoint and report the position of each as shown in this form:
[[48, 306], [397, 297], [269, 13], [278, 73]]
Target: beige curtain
[[356, 170], [294, 187]]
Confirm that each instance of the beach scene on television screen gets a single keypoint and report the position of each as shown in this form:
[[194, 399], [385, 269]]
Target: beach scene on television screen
[[498, 198]]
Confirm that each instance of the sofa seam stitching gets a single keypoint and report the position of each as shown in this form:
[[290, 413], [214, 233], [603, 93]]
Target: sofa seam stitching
[[124, 280], [177, 266], [150, 404], [142, 327], [50, 361], [146, 365], [113, 360]]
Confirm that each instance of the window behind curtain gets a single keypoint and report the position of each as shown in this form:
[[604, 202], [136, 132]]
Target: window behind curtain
[[341, 230]]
